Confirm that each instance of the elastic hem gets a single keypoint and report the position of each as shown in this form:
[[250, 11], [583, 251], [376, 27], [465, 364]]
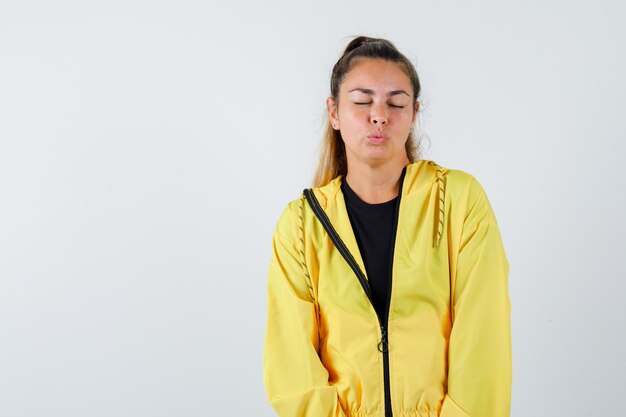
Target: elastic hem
[[356, 413], [419, 412], [409, 412]]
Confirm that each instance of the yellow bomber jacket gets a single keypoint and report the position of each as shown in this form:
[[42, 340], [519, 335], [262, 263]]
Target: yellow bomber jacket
[[445, 347]]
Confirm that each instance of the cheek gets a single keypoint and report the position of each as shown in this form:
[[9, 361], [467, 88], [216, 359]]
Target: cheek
[[354, 113], [405, 117], [404, 121]]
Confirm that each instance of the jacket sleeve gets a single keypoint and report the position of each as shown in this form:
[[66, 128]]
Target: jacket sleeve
[[479, 356], [296, 381]]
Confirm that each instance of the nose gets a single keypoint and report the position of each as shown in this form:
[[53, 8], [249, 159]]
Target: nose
[[378, 115], [379, 120]]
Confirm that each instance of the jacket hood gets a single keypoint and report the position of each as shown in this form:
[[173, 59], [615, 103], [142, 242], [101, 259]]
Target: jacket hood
[[419, 174]]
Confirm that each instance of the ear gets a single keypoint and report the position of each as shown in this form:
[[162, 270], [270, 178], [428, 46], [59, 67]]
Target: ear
[[331, 107], [416, 109]]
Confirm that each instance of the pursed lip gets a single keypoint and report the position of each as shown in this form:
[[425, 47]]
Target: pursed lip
[[378, 135], [377, 138]]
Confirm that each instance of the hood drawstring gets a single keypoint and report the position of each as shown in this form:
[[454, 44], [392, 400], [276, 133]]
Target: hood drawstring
[[441, 203], [309, 282], [305, 269]]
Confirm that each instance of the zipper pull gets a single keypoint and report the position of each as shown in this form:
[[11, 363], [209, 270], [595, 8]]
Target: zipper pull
[[383, 346]]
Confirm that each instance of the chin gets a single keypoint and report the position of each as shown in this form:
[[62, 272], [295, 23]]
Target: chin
[[377, 160]]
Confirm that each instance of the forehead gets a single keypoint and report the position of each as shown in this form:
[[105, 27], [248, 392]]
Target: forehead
[[378, 75]]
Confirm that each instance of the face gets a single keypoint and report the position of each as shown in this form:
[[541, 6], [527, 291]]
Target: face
[[375, 112]]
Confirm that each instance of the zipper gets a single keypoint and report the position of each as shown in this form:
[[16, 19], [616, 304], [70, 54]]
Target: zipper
[[383, 344]]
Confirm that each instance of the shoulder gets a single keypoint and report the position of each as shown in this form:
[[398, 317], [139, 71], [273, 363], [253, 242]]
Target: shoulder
[[458, 183], [463, 183], [286, 222], [465, 191], [470, 195]]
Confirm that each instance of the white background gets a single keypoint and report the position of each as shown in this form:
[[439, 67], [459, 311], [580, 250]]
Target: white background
[[148, 148]]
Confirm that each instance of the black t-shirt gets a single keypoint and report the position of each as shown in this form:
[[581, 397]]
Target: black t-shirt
[[373, 228]]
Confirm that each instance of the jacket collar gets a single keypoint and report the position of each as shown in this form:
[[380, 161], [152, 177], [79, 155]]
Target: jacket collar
[[419, 175]]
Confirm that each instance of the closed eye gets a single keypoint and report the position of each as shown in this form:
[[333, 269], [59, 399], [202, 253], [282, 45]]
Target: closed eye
[[399, 107]]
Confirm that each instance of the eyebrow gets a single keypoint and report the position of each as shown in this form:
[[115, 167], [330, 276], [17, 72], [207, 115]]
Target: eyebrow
[[368, 91]]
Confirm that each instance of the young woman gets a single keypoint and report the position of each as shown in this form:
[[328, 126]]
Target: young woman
[[388, 281]]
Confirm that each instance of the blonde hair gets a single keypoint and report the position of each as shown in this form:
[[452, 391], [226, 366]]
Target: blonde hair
[[332, 154]]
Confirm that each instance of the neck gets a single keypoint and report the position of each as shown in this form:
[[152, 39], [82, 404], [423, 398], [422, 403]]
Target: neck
[[376, 184]]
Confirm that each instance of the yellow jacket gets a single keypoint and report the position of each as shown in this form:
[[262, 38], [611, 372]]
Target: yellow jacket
[[445, 349]]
